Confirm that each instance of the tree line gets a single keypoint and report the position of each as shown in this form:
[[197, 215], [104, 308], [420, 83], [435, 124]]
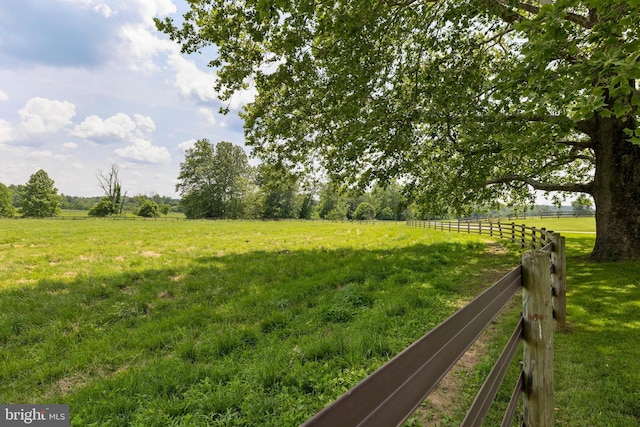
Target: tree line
[[217, 182], [39, 198]]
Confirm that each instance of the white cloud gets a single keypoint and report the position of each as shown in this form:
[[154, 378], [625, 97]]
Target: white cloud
[[141, 150], [207, 115], [144, 124], [151, 8], [69, 145], [191, 81], [139, 47], [3, 96], [98, 6], [186, 145], [93, 127], [6, 131], [41, 154], [41, 115]]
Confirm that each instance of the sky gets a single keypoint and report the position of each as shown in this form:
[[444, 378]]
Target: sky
[[85, 84]]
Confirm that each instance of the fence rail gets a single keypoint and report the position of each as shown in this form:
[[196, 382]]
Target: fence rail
[[390, 395]]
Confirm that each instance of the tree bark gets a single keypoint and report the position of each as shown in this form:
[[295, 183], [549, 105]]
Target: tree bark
[[616, 191]]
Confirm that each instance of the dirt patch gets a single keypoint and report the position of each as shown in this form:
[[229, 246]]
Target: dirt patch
[[150, 254], [446, 398], [66, 385], [164, 295]]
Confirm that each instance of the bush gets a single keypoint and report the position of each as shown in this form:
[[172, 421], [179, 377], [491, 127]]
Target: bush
[[103, 208], [149, 209], [365, 211], [386, 213]]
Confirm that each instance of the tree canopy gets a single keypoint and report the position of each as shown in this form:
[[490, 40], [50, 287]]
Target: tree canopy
[[39, 197], [213, 180], [468, 102], [6, 202]]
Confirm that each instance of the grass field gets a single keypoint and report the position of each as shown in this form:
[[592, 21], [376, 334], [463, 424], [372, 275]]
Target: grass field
[[253, 323]]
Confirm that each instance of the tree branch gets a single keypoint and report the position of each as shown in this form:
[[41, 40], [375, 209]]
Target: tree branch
[[581, 145], [543, 186]]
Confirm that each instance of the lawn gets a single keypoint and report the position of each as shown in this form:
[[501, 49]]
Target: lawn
[[218, 323], [597, 360], [193, 323]]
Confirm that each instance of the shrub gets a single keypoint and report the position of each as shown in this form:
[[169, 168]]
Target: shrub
[[149, 209], [104, 207], [365, 211]]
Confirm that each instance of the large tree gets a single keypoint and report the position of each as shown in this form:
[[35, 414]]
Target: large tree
[[213, 180], [467, 101], [39, 196]]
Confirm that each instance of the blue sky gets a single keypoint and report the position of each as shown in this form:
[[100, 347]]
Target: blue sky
[[89, 83]]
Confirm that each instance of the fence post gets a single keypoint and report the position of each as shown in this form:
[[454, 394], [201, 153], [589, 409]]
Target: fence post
[[558, 258], [513, 232], [538, 340], [533, 238]]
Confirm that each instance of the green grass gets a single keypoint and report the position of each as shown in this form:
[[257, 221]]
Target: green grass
[[217, 323], [561, 225], [252, 323], [597, 364], [597, 360]]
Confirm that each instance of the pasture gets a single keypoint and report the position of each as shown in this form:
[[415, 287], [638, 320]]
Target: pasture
[[263, 323]]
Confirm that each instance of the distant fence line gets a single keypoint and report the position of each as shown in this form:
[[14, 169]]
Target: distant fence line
[[390, 395], [172, 218], [554, 214]]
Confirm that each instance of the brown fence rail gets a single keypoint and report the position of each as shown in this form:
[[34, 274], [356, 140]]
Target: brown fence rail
[[390, 395]]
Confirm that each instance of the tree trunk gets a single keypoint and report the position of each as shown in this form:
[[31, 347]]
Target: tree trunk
[[616, 191]]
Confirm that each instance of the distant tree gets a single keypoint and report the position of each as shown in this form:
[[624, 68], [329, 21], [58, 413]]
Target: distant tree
[[280, 192], [385, 214], [16, 191], [149, 209], [110, 183], [40, 197], [332, 204], [78, 203], [582, 206], [164, 208], [365, 211], [306, 206], [6, 202], [214, 180], [103, 208]]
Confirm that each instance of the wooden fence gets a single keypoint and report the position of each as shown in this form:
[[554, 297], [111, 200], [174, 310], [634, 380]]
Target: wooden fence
[[390, 395]]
